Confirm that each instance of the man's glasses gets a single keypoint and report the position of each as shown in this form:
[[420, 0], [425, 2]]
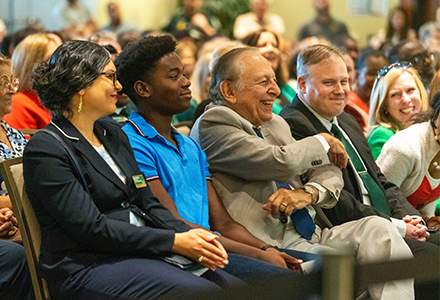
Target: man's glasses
[[401, 64], [111, 75], [9, 83], [420, 59]]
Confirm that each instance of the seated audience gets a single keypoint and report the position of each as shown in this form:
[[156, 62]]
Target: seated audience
[[397, 95], [365, 193], [324, 25], [27, 110], [70, 14], [201, 78], [369, 63], [128, 37], [398, 27], [349, 45], [257, 19], [12, 142], [182, 187], [106, 38], [191, 20], [250, 150], [410, 159], [269, 45], [218, 52], [349, 63], [187, 51], [116, 25], [417, 55], [102, 231]]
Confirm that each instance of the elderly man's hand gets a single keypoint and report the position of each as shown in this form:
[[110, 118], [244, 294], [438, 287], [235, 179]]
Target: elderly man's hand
[[337, 153], [285, 201]]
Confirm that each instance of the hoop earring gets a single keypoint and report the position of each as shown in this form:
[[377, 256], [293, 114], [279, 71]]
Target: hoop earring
[[80, 103]]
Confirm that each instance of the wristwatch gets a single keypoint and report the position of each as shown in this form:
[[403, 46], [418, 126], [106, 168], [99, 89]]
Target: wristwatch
[[308, 189]]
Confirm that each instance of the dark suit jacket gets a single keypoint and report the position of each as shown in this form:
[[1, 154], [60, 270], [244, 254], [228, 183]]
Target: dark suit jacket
[[79, 228], [303, 123]]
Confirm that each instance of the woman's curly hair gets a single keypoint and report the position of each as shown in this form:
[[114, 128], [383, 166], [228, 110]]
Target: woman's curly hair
[[138, 61], [73, 66]]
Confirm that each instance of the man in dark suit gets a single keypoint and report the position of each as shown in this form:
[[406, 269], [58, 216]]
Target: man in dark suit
[[318, 108]]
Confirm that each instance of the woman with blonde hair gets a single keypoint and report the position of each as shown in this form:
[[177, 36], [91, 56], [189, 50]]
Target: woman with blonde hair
[[397, 95], [27, 111]]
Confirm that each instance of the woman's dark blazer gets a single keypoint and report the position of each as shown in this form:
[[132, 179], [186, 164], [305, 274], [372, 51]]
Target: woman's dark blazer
[[80, 228]]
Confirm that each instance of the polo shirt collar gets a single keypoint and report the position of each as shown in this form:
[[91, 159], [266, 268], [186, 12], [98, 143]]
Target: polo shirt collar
[[144, 128]]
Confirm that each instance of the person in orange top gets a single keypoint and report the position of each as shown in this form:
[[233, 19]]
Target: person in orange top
[[369, 62], [27, 111]]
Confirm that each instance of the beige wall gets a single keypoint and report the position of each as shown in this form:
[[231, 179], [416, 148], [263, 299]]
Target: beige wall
[[152, 14]]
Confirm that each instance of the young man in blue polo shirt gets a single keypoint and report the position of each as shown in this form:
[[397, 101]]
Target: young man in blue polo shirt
[[174, 164]]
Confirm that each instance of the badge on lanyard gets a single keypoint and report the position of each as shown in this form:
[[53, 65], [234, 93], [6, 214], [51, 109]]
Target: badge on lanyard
[[139, 181]]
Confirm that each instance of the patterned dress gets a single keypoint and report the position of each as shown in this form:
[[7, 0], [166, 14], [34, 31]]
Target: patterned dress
[[18, 142]]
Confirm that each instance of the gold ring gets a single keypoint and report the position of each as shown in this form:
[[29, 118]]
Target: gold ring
[[200, 258], [282, 203], [285, 206]]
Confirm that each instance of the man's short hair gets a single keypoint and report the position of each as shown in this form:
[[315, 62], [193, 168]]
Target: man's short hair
[[229, 67], [138, 61], [313, 55], [367, 53]]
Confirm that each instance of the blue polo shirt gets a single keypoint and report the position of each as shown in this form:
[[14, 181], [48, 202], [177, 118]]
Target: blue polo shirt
[[182, 171]]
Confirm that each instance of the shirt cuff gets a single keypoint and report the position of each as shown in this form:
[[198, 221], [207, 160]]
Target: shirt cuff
[[400, 225], [324, 143], [323, 194]]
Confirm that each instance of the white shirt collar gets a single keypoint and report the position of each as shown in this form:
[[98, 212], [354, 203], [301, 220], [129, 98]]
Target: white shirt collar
[[327, 124]]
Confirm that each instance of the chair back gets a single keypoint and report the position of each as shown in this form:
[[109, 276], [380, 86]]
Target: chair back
[[12, 171]]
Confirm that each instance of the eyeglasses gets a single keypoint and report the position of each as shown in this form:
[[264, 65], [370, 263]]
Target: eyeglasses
[[9, 83], [419, 60], [111, 75], [401, 64]]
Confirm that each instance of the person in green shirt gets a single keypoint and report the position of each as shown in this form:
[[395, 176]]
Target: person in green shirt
[[397, 95]]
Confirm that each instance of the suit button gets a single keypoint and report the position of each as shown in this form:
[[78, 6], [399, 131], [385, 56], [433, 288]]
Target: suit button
[[125, 204]]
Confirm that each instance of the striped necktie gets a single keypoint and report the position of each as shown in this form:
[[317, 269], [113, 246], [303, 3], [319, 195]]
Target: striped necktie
[[301, 218]]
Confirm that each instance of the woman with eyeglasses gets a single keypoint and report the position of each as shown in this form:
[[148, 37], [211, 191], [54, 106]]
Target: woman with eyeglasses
[[12, 141], [27, 111], [397, 95], [15, 280], [411, 160], [102, 230]]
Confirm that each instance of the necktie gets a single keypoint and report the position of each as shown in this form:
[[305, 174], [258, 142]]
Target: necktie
[[301, 218], [377, 197]]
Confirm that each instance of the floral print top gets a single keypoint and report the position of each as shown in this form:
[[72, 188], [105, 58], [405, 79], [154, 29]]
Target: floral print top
[[18, 142]]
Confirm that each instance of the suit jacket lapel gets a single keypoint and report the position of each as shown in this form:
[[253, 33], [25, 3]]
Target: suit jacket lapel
[[87, 150], [348, 173], [298, 105]]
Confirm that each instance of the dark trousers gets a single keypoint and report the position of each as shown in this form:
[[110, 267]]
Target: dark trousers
[[136, 278], [15, 280]]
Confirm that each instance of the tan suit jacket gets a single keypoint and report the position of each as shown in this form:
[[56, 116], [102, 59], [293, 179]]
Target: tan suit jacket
[[244, 168]]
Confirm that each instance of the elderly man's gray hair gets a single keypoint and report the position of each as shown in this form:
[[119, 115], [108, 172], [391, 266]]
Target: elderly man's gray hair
[[229, 67]]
